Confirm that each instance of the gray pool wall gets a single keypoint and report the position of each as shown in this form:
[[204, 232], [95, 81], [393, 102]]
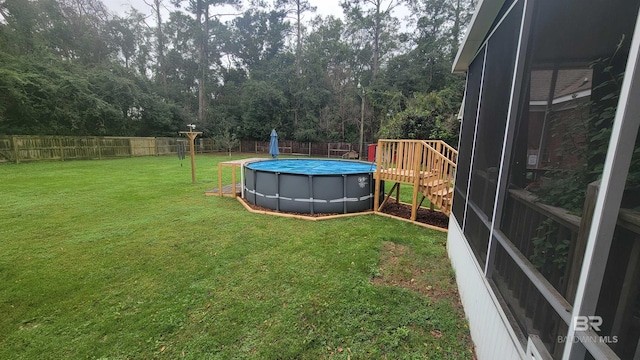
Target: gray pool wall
[[309, 194]]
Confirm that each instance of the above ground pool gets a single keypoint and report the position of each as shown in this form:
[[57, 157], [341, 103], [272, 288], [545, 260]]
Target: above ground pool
[[310, 186]]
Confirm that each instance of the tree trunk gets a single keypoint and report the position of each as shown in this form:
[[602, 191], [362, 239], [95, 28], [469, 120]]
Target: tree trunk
[[376, 40], [299, 40], [298, 64], [455, 30], [202, 11], [162, 72]]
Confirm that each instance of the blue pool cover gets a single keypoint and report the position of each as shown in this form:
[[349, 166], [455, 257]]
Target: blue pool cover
[[313, 166]]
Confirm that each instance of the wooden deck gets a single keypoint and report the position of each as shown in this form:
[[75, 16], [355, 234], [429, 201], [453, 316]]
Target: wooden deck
[[234, 164], [428, 165], [227, 190]]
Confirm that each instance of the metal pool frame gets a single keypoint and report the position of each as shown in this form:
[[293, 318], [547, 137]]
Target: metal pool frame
[[309, 194]]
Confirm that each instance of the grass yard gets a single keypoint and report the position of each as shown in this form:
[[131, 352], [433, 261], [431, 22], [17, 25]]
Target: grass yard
[[127, 259]]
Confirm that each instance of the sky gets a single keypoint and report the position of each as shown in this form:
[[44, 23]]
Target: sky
[[324, 7]]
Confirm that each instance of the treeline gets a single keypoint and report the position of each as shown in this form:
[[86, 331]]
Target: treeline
[[70, 67]]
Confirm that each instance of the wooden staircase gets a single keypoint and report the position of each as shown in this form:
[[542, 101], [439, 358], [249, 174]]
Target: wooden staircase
[[428, 165]]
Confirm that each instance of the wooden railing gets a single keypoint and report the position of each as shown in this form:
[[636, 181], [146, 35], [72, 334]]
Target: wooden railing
[[553, 242], [429, 165], [402, 159], [445, 149], [440, 158]]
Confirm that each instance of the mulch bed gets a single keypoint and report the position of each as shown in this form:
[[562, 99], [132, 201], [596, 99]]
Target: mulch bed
[[260, 208], [425, 216]]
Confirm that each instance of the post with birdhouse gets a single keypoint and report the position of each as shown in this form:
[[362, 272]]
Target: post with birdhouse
[[192, 134]]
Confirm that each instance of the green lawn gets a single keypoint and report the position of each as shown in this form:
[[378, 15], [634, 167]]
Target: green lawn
[[127, 259]]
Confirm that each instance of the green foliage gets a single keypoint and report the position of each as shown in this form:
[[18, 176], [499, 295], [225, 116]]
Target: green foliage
[[226, 139], [258, 37], [427, 116], [263, 106], [57, 98], [550, 252], [72, 68]]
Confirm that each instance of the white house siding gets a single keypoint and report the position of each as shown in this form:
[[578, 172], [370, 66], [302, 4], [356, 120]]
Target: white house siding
[[491, 334]]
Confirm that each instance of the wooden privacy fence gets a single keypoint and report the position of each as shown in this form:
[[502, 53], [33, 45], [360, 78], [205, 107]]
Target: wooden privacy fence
[[289, 147], [19, 148], [23, 148]]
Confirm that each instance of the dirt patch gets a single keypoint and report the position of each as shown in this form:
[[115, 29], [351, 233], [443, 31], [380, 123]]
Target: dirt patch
[[399, 267], [424, 215]]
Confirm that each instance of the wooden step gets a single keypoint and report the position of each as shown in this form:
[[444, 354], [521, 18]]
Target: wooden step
[[441, 188], [444, 192], [434, 183]]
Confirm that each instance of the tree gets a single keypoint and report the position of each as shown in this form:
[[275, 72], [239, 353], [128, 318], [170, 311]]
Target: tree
[[182, 61], [127, 36], [201, 11], [372, 31], [85, 34], [329, 62], [19, 26], [427, 116], [161, 66], [69, 67], [263, 107], [227, 139], [377, 20], [297, 8], [258, 38], [442, 22]]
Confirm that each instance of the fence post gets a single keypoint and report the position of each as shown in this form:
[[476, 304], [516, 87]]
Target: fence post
[[14, 144], [99, 143], [61, 149]]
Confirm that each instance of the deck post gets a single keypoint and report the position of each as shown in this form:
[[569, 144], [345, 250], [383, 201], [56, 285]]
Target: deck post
[[220, 179], [233, 180], [376, 196], [416, 180]]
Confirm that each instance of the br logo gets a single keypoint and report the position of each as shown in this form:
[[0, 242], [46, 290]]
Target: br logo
[[583, 323]]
